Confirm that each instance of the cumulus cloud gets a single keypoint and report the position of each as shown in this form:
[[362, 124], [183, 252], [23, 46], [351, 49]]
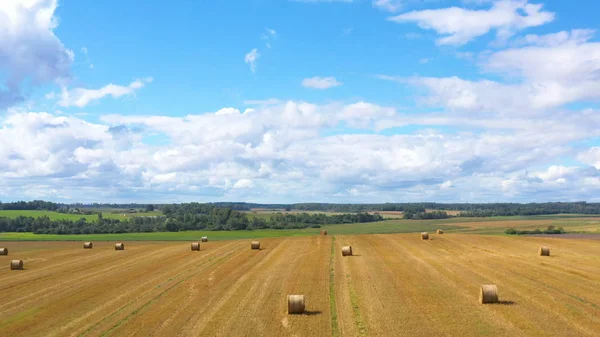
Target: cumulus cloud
[[318, 82], [455, 93], [590, 156], [251, 58], [446, 184], [460, 25], [279, 153], [243, 183], [30, 53], [569, 58], [546, 72], [81, 97]]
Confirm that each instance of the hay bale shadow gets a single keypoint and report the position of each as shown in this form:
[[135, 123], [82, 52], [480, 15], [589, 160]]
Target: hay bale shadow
[[310, 313], [507, 302]]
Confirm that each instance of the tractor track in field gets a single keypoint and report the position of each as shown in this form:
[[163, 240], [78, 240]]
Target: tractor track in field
[[203, 266]]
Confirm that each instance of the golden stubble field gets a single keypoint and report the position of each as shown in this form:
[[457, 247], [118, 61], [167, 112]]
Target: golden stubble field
[[395, 285]]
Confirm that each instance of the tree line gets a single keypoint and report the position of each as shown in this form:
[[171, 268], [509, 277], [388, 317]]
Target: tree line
[[414, 210], [550, 230], [30, 206], [181, 217], [465, 209]]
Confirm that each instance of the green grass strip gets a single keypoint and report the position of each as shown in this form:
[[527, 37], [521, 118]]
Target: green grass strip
[[335, 329], [362, 329]]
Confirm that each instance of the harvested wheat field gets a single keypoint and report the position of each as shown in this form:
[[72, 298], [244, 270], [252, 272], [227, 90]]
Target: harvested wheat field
[[396, 285]]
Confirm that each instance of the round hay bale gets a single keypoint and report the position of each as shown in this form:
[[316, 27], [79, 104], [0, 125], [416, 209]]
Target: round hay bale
[[87, 245], [323, 232], [488, 294], [424, 236], [544, 251], [204, 239], [3, 251], [255, 245], [295, 304], [16, 265], [439, 231], [195, 246], [119, 246], [347, 251]]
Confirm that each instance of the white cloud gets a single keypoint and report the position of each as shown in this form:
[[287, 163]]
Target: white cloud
[[591, 157], [161, 178], [461, 25], [354, 191], [276, 153], [425, 60], [243, 183], [251, 58], [318, 82], [569, 58], [575, 36], [30, 53], [269, 36], [557, 173], [546, 72], [388, 5], [446, 184], [484, 96], [81, 97], [84, 50]]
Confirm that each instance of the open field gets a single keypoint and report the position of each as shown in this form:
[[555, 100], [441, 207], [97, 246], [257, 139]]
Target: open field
[[494, 226], [395, 285], [266, 213], [160, 236], [59, 216]]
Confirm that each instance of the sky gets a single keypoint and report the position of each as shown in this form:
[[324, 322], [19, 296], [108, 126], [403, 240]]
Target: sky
[[344, 101]]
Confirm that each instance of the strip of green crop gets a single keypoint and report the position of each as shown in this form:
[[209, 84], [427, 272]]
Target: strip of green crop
[[362, 329], [335, 329]]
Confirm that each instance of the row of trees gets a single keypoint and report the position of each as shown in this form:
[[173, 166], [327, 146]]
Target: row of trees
[[181, 217], [30, 206], [41, 205], [550, 230], [466, 209], [425, 215]]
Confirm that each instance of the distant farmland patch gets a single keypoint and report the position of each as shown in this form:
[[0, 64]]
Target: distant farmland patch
[[74, 217]]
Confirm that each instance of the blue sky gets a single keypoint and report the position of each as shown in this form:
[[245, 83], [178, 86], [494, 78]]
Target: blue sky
[[296, 101]]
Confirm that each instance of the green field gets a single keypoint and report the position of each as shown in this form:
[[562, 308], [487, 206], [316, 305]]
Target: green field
[[59, 216], [160, 236], [489, 226]]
